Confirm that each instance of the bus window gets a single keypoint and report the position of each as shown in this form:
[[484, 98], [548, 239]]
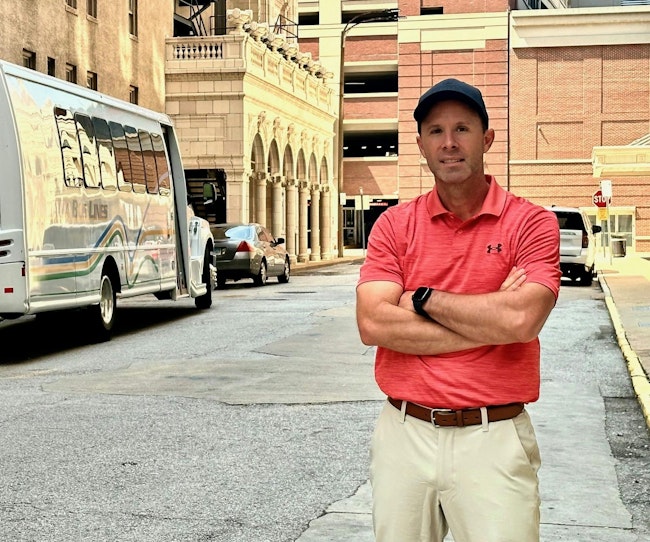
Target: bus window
[[70, 154], [88, 146], [135, 155], [122, 162], [161, 163], [149, 162], [106, 156]]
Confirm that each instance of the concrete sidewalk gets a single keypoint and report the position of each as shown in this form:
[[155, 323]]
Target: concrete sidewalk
[[625, 282]]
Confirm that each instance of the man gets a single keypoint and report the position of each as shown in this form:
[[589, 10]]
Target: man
[[455, 289]]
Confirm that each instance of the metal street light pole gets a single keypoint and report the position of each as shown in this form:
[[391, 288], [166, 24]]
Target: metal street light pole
[[368, 17]]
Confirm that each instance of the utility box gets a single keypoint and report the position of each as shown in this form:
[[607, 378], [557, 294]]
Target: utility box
[[618, 247]]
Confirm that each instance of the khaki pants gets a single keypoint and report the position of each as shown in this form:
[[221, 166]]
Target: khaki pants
[[480, 484]]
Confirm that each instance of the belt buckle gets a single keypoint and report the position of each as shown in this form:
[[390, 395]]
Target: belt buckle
[[433, 414]]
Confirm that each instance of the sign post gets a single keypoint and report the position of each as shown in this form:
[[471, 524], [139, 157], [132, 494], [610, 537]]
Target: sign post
[[602, 199]]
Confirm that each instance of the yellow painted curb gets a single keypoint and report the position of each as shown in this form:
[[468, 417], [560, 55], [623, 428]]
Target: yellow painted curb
[[638, 377]]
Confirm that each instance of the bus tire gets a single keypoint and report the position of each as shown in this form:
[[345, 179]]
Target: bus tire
[[103, 314], [205, 301]]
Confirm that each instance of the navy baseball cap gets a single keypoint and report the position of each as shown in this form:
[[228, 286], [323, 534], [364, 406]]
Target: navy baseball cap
[[451, 89]]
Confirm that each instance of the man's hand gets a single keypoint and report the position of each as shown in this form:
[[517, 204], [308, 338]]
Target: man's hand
[[512, 282]]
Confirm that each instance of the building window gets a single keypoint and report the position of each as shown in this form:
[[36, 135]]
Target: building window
[[367, 16], [364, 82], [309, 19], [71, 3], [71, 73], [91, 8], [51, 66], [133, 17], [29, 59], [133, 94], [357, 145], [431, 11], [91, 80], [620, 225]]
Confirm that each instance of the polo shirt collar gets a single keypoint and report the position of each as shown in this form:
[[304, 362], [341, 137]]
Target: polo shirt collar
[[493, 204]]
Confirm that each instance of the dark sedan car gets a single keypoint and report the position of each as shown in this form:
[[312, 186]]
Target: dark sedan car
[[248, 251]]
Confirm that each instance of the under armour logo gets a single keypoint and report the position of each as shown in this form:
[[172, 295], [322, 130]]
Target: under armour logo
[[496, 248]]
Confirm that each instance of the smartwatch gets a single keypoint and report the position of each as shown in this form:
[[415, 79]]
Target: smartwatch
[[419, 298]]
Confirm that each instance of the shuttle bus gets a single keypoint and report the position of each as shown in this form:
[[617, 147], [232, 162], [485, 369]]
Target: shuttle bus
[[93, 203]]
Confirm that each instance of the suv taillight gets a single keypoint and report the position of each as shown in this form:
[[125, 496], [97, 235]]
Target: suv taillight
[[585, 240]]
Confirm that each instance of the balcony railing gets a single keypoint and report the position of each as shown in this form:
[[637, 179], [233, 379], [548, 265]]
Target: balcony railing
[[246, 50]]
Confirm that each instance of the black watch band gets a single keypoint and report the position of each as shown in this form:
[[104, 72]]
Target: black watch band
[[419, 298]]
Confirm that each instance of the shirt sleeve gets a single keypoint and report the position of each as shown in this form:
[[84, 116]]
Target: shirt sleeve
[[538, 251], [382, 256]]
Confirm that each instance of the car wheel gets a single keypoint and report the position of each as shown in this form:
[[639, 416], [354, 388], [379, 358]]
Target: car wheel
[[205, 301], [284, 277], [261, 278], [221, 282], [587, 277]]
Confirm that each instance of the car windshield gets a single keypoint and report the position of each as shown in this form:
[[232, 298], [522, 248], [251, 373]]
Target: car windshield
[[570, 221], [235, 232]]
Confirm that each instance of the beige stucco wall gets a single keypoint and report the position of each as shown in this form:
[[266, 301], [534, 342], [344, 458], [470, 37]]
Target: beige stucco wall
[[101, 45], [234, 90]]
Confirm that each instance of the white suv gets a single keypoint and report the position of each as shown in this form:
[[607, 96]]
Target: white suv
[[577, 243]]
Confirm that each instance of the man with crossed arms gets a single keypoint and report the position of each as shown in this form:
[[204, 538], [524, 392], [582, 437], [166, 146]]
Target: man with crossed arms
[[455, 289]]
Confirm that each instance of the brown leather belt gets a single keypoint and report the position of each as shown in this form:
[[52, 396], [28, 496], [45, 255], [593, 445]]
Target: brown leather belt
[[459, 418]]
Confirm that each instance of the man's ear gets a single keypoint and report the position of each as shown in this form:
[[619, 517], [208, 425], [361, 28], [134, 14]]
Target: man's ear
[[418, 140], [488, 139]]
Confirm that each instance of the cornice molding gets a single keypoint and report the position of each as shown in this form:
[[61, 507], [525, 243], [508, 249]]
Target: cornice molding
[[580, 27]]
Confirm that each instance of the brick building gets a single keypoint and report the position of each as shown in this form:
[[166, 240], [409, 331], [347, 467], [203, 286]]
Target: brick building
[[568, 92]]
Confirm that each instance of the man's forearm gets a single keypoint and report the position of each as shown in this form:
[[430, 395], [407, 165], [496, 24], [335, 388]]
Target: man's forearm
[[405, 331], [502, 317]]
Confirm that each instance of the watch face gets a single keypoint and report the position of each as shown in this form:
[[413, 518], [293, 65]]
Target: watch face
[[422, 294], [419, 298]]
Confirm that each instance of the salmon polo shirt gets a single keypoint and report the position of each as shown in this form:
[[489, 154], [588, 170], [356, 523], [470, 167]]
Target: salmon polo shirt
[[420, 243]]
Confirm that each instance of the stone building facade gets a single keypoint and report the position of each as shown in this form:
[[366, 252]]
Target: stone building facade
[[112, 46], [256, 117]]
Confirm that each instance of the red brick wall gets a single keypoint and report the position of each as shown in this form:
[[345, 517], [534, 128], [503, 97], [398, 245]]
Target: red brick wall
[[370, 48], [376, 177], [418, 71], [469, 6], [370, 108], [412, 7], [563, 102], [310, 45]]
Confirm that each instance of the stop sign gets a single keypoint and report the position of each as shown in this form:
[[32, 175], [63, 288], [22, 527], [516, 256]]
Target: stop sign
[[600, 200]]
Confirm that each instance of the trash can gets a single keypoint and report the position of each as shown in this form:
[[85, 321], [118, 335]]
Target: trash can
[[618, 247]]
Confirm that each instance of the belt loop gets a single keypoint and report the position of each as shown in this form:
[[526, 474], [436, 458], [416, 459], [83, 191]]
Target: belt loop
[[484, 419], [403, 411]]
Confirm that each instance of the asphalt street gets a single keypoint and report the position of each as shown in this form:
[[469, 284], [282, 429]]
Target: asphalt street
[[251, 422]]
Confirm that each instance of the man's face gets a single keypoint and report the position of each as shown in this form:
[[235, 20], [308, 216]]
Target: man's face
[[453, 142]]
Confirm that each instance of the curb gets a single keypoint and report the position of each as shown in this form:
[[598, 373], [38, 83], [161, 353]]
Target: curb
[[301, 267], [638, 377]]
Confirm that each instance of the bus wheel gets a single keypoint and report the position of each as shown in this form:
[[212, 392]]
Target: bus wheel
[[205, 301], [104, 312]]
